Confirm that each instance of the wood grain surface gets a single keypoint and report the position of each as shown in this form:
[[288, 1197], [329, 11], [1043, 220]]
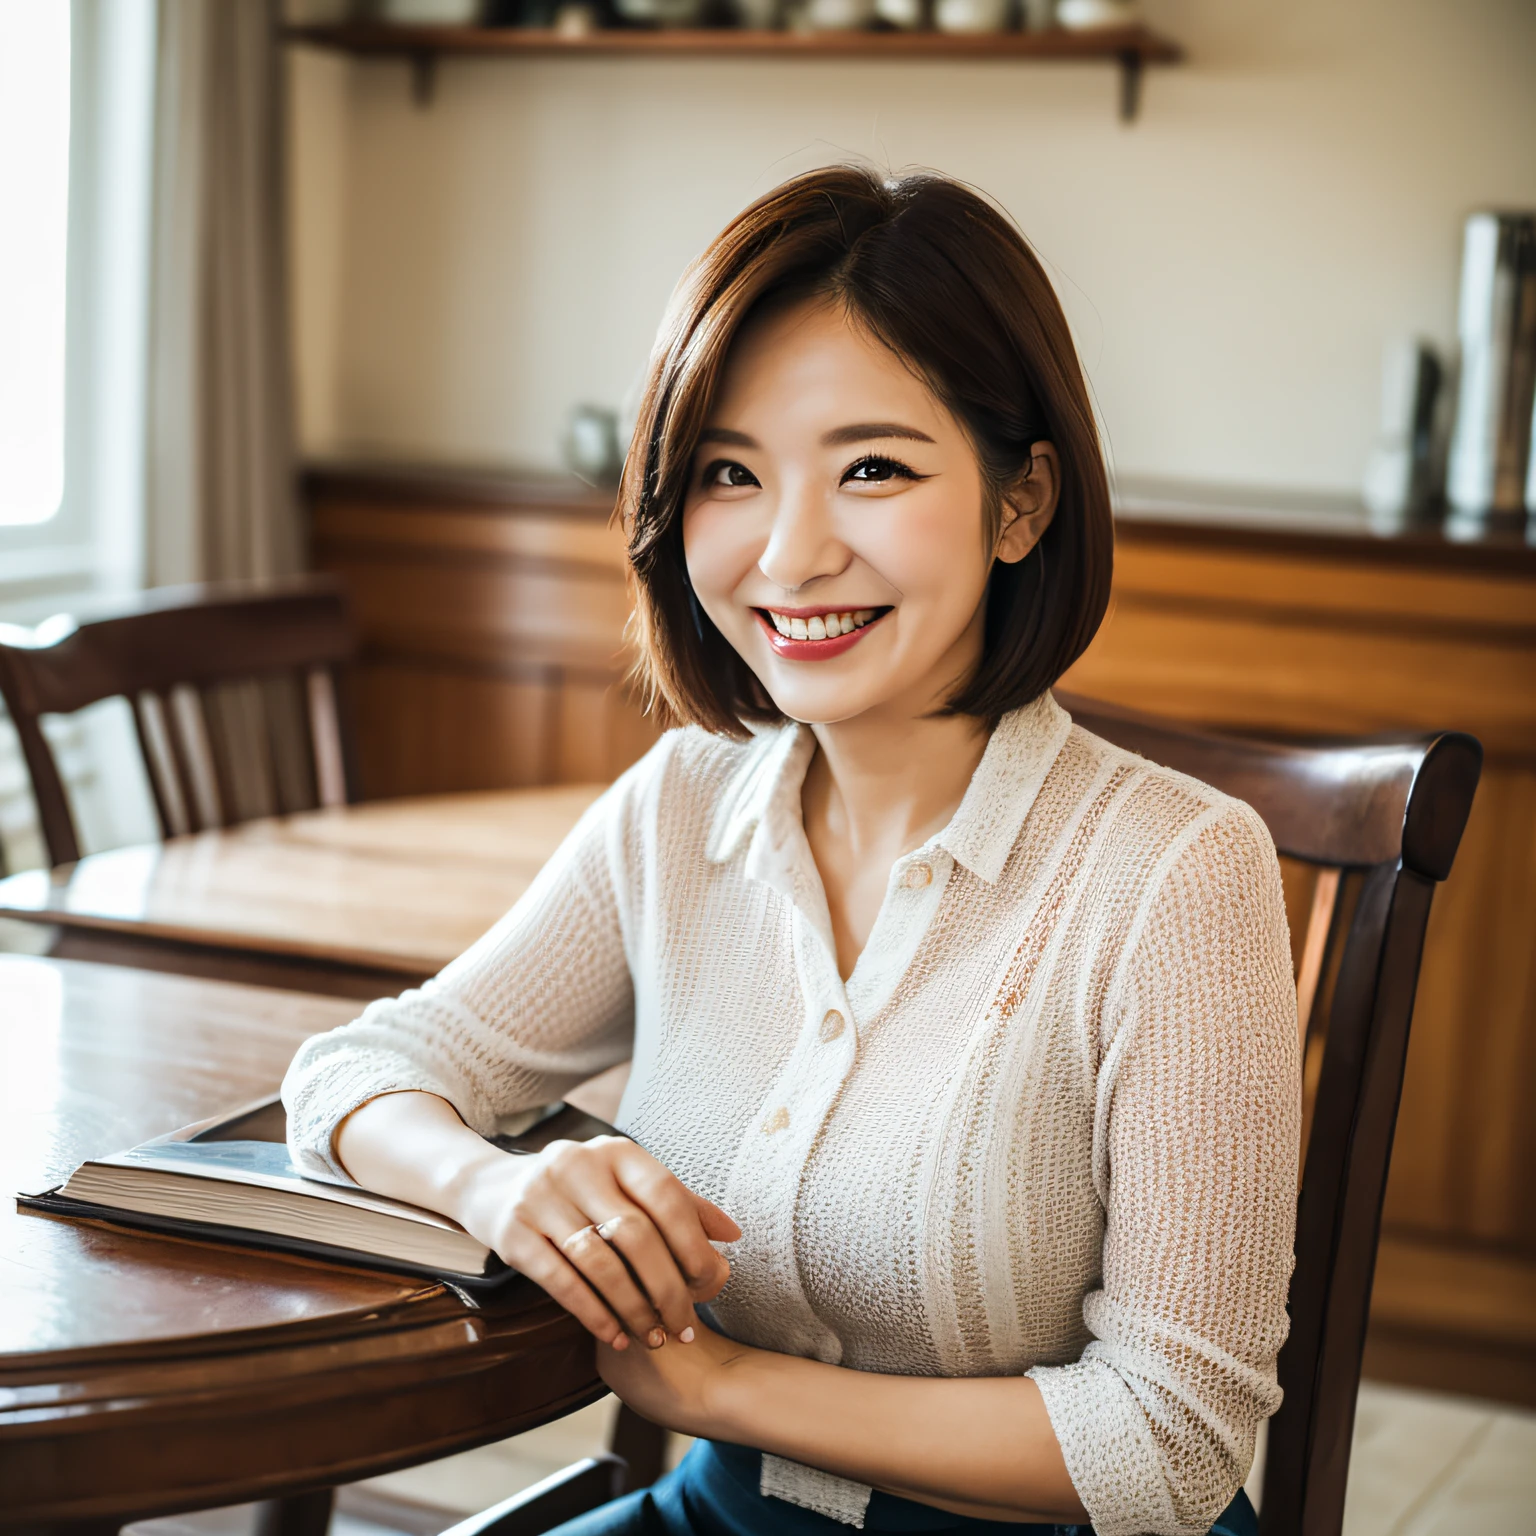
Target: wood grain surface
[[142, 1375], [398, 887], [492, 615]]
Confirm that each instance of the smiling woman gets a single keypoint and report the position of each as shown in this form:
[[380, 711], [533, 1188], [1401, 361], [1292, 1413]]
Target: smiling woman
[[957, 1183], [922, 302]]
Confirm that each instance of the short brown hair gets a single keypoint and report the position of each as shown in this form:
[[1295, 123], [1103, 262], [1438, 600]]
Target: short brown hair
[[945, 280]]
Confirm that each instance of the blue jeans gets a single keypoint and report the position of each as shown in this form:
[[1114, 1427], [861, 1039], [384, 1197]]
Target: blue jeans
[[714, 1493]]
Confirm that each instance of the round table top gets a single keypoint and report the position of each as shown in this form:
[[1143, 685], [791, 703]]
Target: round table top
[[142, 1375], [399, 886]]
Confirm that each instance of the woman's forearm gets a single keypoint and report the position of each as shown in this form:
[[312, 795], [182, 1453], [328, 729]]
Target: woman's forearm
[[974, 1445], [413, 1146]]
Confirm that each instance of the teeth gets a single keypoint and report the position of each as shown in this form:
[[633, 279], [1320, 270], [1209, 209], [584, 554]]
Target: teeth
[[824, 626]]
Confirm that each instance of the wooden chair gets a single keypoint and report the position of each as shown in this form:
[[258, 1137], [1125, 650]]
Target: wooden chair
[[238, 697], [1373, 826], [1377, 824]]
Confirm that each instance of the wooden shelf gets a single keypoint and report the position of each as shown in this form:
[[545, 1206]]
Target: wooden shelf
[[1111, 43], [1131, 48]]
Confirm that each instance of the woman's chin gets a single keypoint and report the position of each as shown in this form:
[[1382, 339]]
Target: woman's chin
[[813, 704]]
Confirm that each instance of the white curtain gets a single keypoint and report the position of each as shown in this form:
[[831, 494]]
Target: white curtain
[[220, 501]]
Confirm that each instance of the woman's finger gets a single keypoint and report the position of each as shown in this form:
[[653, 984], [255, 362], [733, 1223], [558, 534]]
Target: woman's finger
[[603, 1268], [633, 1234], [542, 1262], [590, 1186], [660, 1229], [590, 1179], [674, 1209], [717, 1223], [549, 1215]]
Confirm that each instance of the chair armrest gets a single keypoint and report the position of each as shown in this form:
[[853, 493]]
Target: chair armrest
[[570, 1492]]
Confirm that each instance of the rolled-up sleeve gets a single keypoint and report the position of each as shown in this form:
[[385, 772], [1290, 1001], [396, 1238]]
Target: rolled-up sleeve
[[1195, 1145], [540, 1003]]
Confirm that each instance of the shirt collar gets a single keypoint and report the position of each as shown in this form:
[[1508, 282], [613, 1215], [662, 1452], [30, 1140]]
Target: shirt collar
[[764, 794], [1002, 791], [763, 788]]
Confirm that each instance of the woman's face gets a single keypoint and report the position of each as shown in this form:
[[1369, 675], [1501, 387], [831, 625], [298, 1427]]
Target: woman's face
[[833, 526]]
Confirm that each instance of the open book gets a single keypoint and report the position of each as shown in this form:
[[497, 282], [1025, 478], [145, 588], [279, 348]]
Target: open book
[[231, 1179]]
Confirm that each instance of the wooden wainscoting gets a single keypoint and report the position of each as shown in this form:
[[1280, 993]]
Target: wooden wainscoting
[[1263, 632], [492, 617]]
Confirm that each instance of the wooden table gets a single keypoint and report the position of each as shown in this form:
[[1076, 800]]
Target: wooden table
[[145, 1375], [360, 901]]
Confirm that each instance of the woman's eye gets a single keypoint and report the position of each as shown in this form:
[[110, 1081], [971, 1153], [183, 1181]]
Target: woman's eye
[[877, 470], [724, 474]]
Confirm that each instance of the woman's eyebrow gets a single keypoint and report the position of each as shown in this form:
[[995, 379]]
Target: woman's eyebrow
[[858, 432], [863, 431]]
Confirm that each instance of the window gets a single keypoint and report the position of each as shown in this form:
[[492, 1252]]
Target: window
[[76, 108], [34, 192]]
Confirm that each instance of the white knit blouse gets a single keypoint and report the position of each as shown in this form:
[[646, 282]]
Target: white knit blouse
[[1048, 1126]]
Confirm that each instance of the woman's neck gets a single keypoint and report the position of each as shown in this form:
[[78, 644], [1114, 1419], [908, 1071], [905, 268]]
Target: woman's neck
[[881, 785]]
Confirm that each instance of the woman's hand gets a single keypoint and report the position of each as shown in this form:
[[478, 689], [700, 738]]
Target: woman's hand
[[617, 1240], [679, 1389]]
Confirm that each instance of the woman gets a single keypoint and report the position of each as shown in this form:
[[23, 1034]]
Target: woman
[[981, 1029]]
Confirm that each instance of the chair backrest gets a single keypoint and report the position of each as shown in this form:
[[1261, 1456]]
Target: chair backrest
[[238, 694], [1379, 822]]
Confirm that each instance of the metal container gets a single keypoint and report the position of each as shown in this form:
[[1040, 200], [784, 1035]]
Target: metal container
[[1400, 474], [1491, 446]]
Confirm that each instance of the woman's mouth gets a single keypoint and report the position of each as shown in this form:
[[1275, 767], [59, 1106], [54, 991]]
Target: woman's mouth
[[816, 634]]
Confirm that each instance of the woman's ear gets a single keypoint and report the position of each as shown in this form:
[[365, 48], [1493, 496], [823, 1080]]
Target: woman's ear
[[1029, 505]]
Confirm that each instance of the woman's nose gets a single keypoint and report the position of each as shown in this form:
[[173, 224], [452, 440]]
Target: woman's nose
[[802, 543]]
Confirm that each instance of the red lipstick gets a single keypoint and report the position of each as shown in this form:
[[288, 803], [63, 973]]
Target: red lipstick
[[812, 650]]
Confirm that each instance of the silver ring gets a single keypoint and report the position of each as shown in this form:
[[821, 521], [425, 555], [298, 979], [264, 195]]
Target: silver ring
[[578, 1233], [612, 1221]]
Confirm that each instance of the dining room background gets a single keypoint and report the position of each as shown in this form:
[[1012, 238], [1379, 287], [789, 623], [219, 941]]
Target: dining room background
[[332, 305]]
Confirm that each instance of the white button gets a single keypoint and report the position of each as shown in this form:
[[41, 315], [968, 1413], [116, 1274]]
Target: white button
[[831, 1026], [917, 876]]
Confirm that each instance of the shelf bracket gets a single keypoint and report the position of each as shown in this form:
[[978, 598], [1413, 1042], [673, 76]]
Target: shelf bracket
[[1130, 85], [423, 77]]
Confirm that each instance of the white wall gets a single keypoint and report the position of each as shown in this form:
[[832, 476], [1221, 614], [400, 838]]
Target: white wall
[[1291, 197]]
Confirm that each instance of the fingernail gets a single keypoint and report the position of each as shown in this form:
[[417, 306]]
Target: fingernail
[[620, 1341], [656, 1338], [686, 1336]]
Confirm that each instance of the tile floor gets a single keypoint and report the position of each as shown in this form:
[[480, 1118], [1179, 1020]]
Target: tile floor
[[1424, 1464], [1428, 1465]]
